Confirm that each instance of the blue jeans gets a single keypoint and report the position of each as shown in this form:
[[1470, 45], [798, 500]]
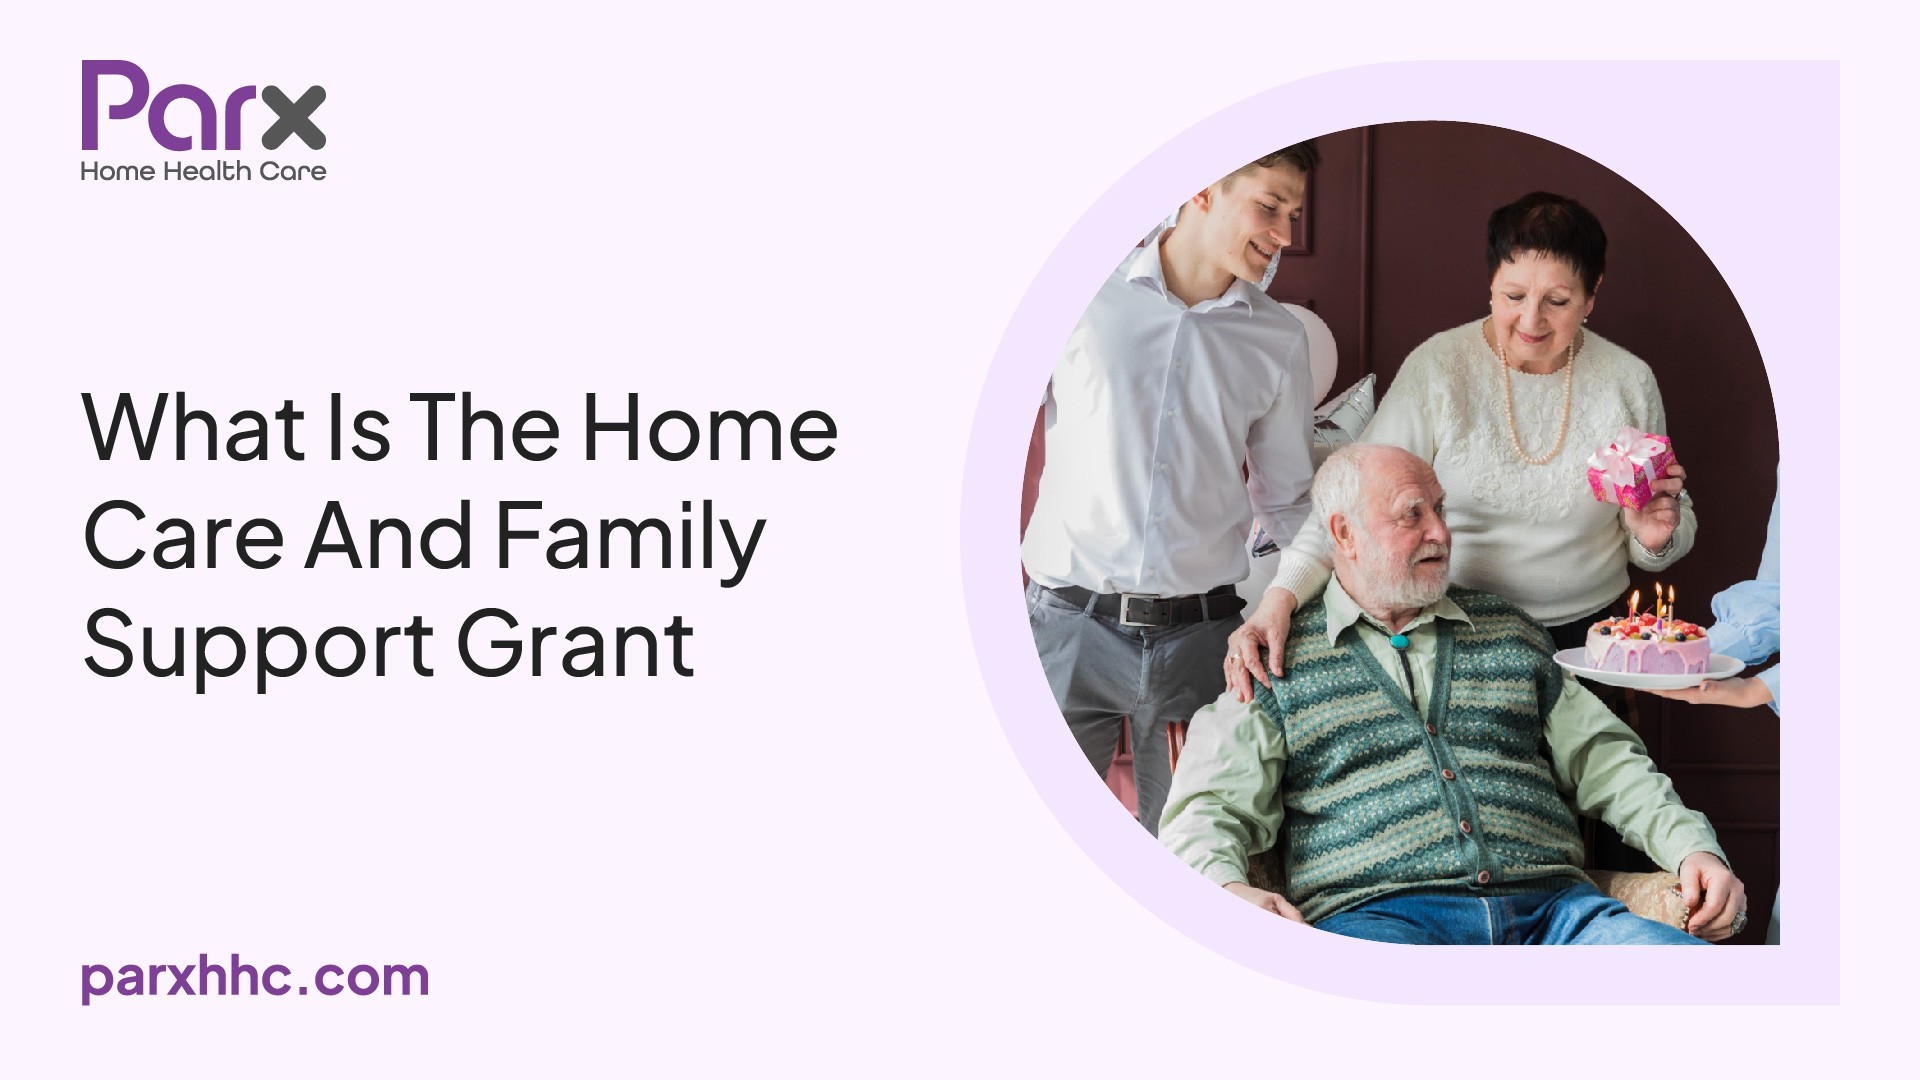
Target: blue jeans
[[1581, 915]]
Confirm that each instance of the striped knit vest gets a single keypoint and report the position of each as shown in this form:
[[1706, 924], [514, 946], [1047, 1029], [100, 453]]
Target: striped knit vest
[[1369, 808]]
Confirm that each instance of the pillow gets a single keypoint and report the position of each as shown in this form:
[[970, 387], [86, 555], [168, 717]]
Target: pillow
[[1341, 420], [1653, 896]]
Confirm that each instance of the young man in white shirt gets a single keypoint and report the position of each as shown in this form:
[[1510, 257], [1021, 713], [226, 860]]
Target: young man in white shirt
[[1181, 371]]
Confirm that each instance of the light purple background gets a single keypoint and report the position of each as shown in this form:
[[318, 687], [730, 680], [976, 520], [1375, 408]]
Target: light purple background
[[834, 206], [1701, 175]]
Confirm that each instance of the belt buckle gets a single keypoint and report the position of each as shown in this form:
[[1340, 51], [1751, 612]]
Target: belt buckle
[[1126, 604]]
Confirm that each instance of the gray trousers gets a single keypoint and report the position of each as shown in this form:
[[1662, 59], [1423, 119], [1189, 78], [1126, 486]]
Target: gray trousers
[[1103, 673]]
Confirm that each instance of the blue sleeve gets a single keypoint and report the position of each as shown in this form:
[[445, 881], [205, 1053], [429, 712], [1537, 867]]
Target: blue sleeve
[[1770, 556], [1746, 617], [1746, 621]]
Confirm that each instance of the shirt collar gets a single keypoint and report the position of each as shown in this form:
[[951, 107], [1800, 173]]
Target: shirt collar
[[1144, 265], [1343, 612]]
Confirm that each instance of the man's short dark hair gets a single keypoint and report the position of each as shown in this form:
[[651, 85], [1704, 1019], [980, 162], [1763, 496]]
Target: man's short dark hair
[[1301, 155], [1551, 225]]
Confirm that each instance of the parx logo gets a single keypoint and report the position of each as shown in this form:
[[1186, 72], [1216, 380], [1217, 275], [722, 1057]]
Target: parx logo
[[294, 116]]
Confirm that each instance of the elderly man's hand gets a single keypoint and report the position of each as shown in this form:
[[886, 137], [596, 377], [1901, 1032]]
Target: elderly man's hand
[[1739, 693], [1653, 524], [1713, 894], [1261, 898], [1265, 629]]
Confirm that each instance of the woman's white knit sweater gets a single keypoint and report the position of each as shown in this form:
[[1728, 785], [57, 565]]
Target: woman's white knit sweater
[[1531, 533]]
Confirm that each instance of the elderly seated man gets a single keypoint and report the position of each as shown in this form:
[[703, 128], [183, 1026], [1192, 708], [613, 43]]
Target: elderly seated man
[[1418, 761]]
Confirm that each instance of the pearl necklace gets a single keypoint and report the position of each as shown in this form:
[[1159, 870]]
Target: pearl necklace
[[1566, 405]]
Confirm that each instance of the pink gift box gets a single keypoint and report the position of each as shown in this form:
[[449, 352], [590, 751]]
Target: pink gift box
[[1620, 470]]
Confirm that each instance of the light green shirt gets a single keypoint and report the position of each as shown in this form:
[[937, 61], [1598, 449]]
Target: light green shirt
[[1225, 803]]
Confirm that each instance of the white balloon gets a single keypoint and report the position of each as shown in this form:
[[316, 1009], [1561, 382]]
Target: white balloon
[[1322, 356]]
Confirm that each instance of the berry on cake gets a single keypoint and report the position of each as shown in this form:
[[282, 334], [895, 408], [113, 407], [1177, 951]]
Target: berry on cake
[[1649, 643]]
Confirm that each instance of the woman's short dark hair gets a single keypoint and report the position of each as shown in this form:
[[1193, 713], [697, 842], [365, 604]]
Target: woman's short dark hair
[[1551, 225]]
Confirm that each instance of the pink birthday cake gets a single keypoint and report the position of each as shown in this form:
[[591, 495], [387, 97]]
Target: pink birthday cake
[[1645, 645]]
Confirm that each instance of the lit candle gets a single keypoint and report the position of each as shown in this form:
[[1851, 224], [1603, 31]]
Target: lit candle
[[1633, 605]]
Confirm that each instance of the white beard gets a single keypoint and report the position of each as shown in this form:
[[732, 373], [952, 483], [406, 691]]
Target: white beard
[[1394, 586]]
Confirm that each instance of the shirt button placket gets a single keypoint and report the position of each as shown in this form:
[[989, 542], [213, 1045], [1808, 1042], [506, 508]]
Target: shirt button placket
[[1157, 493]]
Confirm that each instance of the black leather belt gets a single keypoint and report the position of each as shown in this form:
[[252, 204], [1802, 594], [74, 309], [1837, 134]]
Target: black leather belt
[[1141, 609]]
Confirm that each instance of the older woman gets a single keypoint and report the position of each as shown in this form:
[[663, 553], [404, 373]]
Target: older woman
[[1507, 408]]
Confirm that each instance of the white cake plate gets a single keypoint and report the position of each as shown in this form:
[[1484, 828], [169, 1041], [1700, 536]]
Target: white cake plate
[[1575, 661]]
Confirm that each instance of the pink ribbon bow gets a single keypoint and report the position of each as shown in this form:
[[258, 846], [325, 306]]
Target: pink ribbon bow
[[1630, 450]]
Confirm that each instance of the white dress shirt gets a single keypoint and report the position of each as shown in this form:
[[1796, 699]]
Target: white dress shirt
[[1152, 410]]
